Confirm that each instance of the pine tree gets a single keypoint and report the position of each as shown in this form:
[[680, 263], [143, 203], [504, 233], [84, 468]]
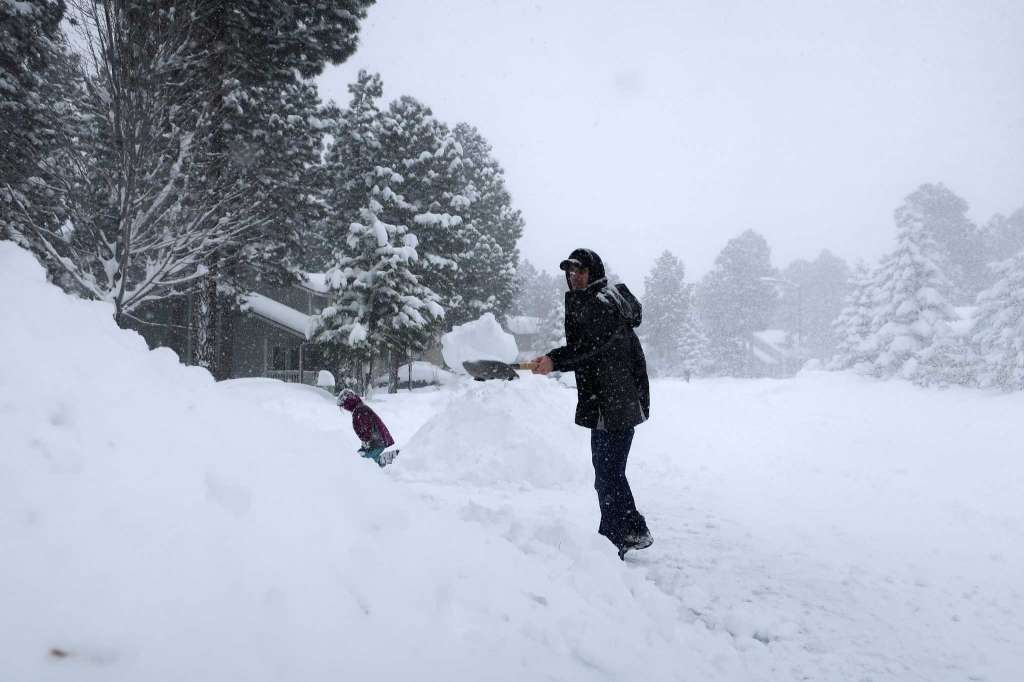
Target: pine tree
[[736, 300], [33, 62], [1003, 237], [812, 299], [693, 345], [853, 326], [486, 279], [262, 130], [959, 243], [999, 328], [666, 313], [534, 288], [435, 185], [552, 324], [379, 305], [910, 307], [948, 361]]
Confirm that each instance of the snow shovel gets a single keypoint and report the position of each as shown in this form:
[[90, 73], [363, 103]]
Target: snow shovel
[[484, 370]]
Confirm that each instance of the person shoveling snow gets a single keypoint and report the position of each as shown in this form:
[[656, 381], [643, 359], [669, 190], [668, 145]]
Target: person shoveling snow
[[369, 428], [612, 386]]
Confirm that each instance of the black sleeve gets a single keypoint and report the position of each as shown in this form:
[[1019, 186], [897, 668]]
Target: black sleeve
[[591, 345]]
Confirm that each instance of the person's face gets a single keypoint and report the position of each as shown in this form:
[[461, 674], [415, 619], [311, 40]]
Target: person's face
[[579, 278]]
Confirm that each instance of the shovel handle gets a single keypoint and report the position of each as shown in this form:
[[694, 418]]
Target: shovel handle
[[525, 365]]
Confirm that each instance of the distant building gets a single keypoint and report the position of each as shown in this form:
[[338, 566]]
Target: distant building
[[773, 354], [526, 331]]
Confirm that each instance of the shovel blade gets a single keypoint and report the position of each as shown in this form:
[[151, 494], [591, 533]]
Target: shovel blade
[[486, 370]]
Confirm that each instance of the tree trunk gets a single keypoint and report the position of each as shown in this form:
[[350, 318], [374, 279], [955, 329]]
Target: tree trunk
[[225, 338], [205, 346], [396, 364]]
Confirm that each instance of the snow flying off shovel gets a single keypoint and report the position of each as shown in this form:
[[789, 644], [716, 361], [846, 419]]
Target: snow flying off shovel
[[484, 370]]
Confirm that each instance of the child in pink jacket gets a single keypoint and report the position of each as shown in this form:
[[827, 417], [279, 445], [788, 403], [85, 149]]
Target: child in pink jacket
[[369, 428]]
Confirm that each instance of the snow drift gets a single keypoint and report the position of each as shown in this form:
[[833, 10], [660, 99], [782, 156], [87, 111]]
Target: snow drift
[[504, 432], [157, 526]]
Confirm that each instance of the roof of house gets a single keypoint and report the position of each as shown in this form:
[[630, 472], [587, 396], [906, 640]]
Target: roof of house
[[284, 316]]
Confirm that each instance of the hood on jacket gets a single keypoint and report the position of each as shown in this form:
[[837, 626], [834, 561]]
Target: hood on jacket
[[584, 258], [349, 400], [619, 295]]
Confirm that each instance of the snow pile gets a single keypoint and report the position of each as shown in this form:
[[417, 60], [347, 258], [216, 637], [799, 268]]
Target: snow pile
[[504, 433], [157, 526], [483, 339]]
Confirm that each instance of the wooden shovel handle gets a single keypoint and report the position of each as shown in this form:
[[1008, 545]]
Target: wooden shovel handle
[[525, 365]]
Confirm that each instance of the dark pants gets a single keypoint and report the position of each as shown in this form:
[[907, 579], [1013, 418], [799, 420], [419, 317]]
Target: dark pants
[[619, 517]]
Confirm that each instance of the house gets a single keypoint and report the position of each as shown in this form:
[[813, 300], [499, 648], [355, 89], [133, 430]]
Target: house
[[268, 337], [772, 354], [272, 334]]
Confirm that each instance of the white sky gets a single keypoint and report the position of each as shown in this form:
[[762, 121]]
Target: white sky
[[635, 127]]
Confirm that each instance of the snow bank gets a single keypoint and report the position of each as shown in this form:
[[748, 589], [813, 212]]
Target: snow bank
[[155, 525], [483, 339], [506, 434]]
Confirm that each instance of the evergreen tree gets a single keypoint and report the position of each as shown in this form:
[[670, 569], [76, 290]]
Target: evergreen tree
[[435, 186], [812, 301], [666, 313], [960, 248], [1003, 237], [999, 328], [853, 326], [911, 311], [379, 304], [262, 130], [948, 361], [693, 345], [486, 279], [736, 300], [33, 64], [534, 290], [552, 323]]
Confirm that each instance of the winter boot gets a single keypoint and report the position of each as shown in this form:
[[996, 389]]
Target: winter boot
[[387, 457], [638, 541]]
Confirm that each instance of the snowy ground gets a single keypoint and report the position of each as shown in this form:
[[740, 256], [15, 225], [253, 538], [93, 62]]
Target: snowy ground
[[836, 528], [155, 525]]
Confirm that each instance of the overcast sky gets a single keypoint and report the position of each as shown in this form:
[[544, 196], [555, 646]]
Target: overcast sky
[[665, 124]]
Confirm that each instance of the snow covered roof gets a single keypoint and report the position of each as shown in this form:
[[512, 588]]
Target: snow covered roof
[[772, 337], [522, 324], [771, 346], [315, 281], [291, 319], [764, 357]]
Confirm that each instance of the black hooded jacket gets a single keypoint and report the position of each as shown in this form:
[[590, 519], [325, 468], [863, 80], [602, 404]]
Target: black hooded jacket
[[604, 351]]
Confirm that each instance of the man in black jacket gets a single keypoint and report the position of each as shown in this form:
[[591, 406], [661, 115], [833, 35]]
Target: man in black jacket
[[613, 390]]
